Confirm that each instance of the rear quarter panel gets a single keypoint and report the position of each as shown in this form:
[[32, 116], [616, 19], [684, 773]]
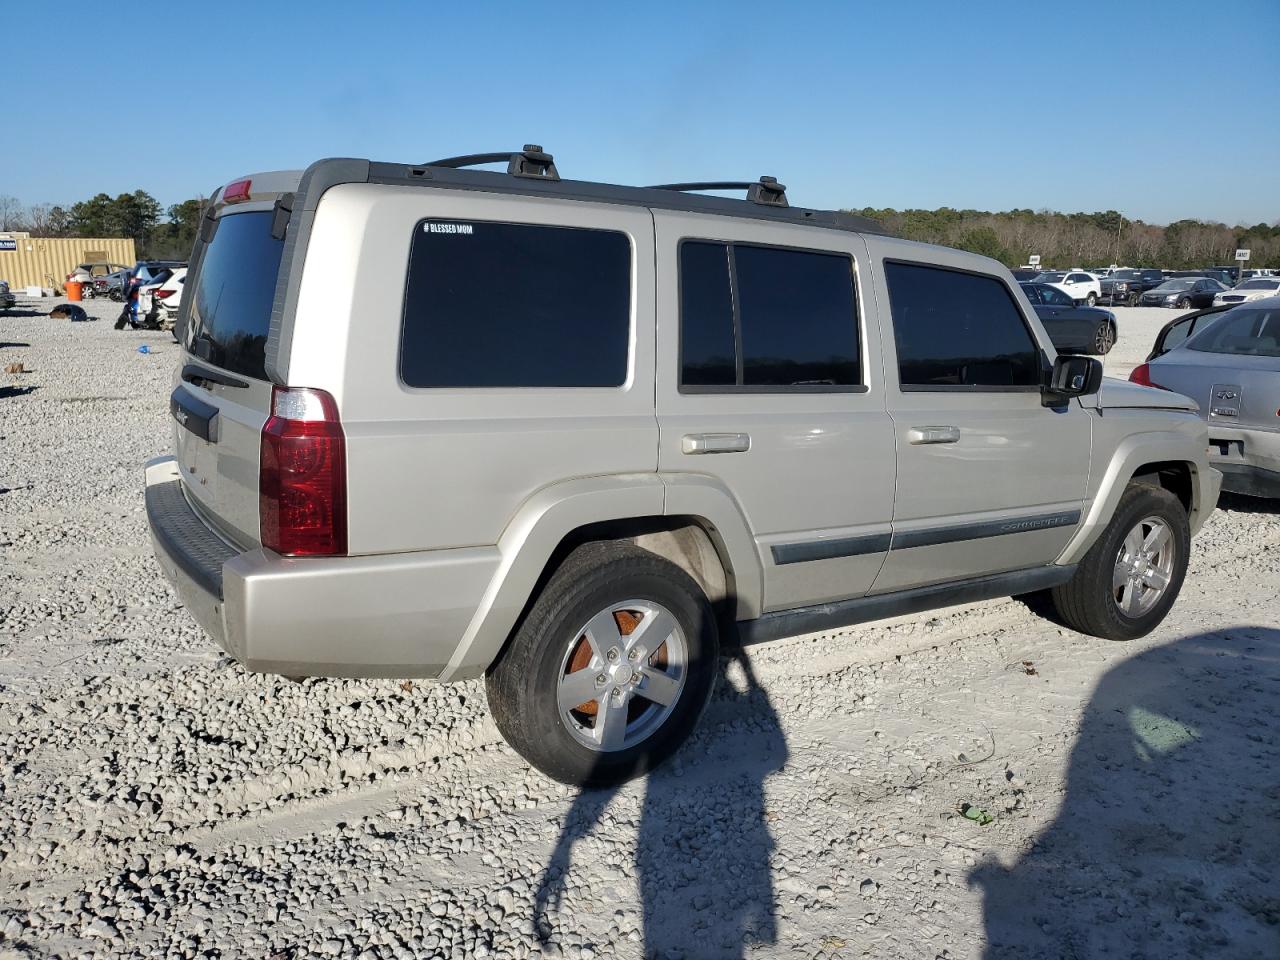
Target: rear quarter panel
[[437, 468]]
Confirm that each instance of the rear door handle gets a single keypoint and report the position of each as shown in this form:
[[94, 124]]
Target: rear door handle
[[933, 435], [715, 443]]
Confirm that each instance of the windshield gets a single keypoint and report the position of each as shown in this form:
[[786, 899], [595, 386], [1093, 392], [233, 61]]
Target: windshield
[[1242, 332], [232, 292], [1259, 285], [1184, 284], [1050, 277]]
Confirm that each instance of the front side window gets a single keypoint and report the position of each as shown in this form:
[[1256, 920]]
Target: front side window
[[767, 318], [1056, 298], [516, 305], [955, 329]]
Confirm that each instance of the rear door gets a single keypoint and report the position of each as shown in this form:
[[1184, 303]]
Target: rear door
[[989, 480], [764, 384], [221, 395]]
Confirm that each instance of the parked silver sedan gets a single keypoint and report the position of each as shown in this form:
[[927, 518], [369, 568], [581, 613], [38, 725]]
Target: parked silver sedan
[[1229, 363]]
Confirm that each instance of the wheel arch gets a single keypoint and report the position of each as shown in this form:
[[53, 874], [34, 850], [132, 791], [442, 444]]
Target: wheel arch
[[713, 545], [1172, 460]]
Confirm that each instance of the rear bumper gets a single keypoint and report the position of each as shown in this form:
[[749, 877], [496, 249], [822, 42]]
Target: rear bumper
[[1248, 459], [398, 615]]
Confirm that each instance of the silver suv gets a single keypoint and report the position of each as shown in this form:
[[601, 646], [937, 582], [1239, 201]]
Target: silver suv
[[438, 421]]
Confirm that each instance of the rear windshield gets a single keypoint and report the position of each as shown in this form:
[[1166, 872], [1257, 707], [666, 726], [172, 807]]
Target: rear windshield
[[1243, 332], [231, 294]]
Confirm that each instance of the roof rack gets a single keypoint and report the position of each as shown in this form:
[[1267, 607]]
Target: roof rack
[[530, 162], [766, 190]]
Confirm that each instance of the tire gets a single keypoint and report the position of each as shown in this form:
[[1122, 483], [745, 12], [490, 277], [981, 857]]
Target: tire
[[1133, 299], [600, 597], [1104, 338], [1091, 299], [1091, 601], [1183, 304]]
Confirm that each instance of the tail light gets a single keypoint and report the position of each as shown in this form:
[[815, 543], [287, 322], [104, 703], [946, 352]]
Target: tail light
[[165, 294], [302, 481], [1141, 374]]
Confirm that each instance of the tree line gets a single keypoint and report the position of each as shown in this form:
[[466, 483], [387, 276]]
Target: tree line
[[1065, 240], [157, 232], [1061, 239]]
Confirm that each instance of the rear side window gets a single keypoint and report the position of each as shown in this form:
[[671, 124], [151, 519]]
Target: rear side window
[[231, 294], [956, 329], [767, 318], [516, 305]]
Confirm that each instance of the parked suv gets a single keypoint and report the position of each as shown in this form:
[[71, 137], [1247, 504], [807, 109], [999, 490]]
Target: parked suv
[[443, 422], [1081, 287], [1126, 285]]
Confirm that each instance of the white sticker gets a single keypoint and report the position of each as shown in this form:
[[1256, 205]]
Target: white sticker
[[464, 228]]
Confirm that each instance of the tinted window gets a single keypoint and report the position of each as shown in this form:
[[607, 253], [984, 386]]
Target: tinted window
[[1177, 333], [1034, 292], [1246, 332], [1056, 298], [231, 294], [791, 321], [799, 321], [707, 351], [958, 329], [515, 305]]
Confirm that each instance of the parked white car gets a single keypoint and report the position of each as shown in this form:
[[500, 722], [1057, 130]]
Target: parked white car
[[1079, 286], [168, 296], [1256, 289]]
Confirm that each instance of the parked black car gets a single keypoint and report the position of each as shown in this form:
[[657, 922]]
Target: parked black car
[[1126, 285], [1072, 329], [1021, 275], [1183, 292]]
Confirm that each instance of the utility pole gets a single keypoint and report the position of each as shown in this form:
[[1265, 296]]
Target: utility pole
[[1116, 250]]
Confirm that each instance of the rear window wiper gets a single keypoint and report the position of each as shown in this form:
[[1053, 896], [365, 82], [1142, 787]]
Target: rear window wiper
[[194, 373]]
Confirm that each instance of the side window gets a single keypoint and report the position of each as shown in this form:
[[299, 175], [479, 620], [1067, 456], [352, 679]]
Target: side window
[[1176, 334], [767, 318], [1034, 293], [956, 329], [516, 305], [1057, 298]]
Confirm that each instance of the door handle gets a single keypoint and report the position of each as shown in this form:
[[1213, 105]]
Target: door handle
[[715, 443], [933, 435]]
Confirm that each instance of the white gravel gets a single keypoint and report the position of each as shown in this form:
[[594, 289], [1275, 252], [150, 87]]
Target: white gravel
[[158, 801]]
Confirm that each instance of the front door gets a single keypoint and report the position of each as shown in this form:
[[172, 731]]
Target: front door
[[989, 480], [763, 386]]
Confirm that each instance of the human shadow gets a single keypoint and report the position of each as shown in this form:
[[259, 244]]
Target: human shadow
[[1167, 844], [8, 392], [703, 855]]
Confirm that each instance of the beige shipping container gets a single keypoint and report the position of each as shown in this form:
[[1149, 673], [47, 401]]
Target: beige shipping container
[[27, 261]]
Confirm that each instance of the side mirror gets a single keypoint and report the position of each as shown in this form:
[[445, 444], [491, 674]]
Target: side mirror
[[1072, 376]]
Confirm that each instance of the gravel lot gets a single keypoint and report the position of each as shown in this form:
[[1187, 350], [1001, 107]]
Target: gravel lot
[[156, 800]]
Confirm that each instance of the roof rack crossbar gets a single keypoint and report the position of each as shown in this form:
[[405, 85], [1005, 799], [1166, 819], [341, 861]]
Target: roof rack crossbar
[[530, 162], [766, 190]]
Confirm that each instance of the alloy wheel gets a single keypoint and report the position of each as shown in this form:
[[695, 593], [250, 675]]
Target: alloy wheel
[[1144, 567], [621, 675]]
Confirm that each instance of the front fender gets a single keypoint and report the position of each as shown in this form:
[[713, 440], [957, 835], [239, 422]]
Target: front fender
[[1187, 444]]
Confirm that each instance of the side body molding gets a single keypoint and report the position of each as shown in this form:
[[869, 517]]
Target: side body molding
[[553, 512], [1185, 445]]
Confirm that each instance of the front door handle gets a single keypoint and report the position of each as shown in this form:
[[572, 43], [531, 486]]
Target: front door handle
[[933, 435], [715, 443]]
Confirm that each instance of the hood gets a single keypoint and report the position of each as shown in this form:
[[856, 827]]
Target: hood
[[1121, 394]]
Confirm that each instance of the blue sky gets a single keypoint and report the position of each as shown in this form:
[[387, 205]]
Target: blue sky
[[1087, 106]]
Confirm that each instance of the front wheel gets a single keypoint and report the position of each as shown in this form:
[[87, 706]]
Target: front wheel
[[610, 670], [1133, 299], [1130, 578], [1183, 304], [1104, 339], [1091, 299]]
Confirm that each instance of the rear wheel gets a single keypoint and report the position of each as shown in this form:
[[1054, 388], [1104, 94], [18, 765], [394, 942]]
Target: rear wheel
[[1130, 578], [610, 670], [1105, 338]]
